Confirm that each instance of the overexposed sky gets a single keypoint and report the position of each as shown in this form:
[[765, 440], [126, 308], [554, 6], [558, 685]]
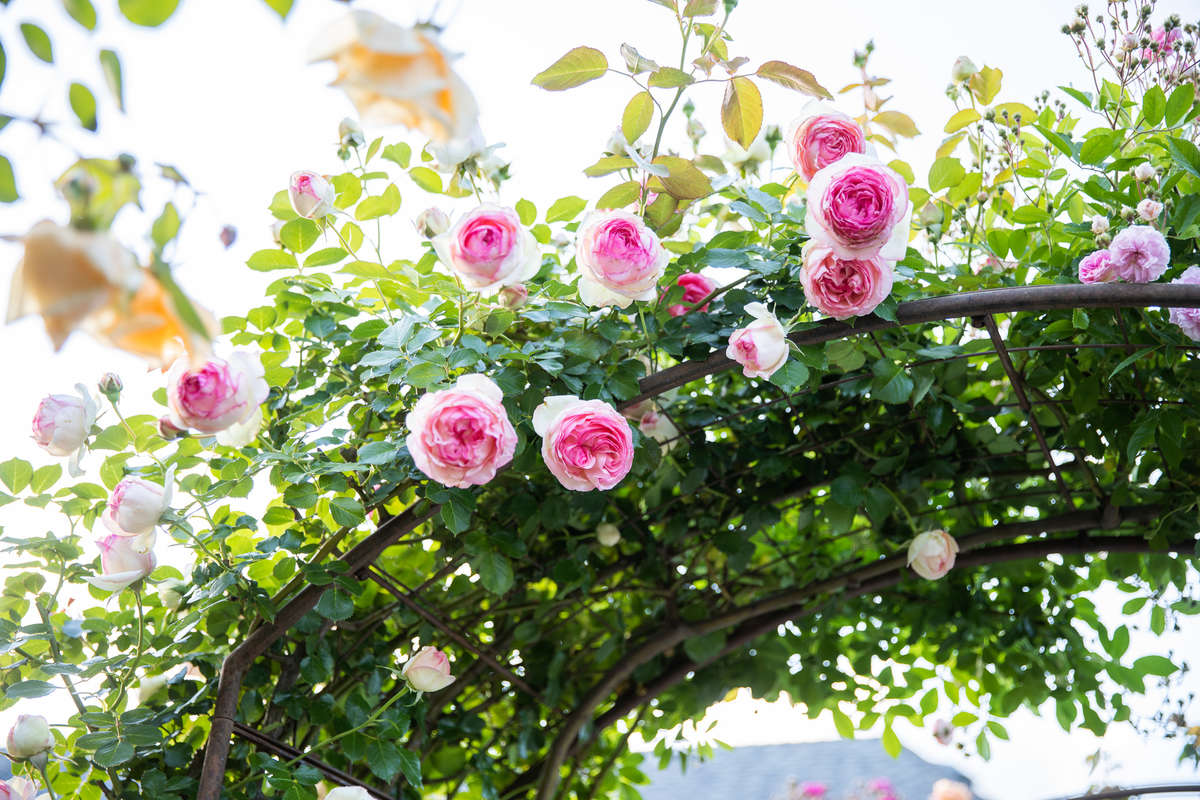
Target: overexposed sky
[[223, 93]]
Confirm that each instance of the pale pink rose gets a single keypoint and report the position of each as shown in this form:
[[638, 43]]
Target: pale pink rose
[[428, 670], [1188, 318], [311, 194], [943, 732], [62, 422], [489, 248], [946, 789], [931, 554], [620, 259], [1145, 172], [1149, 209], [121, 563], [29, 737], [844, 287], [761, 347], [696, 287], [860, 208], [1096, 267], [218, 393], [462, 435], [586, 444], [136, 505], [1140, 254], [18, 789], [1165, 41], [1099, 224], [821, 136], [432, 222]]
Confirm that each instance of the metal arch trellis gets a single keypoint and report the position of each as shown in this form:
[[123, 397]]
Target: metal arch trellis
[[756, 619]]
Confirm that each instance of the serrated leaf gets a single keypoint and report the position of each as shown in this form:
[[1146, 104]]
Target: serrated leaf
[[110, 65], [346, 511], [637, 116], [577, 67], [1179, 103], [399, 153], [985, 84], [741, 111], [28, 690], [336, 604], [16, 474], [795, 78], [944, 173], [1154, 105], [700, 8], [1159, 666], [427, 179], [684, 180], [891, 742]]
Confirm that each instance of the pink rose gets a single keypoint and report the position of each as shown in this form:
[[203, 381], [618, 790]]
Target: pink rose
[[762, 346], [1149, 209], [946, 789], [513, 297], [881, 785], [860, 208], [311, 194], [62, 422], [1139, 254], [136, 505], [489, 248], [428, 670], [18, 789], [1096, 267], [586, 444], [460, 436], [696, 287], [813, 789], [1187, 318], [620, 259], [216, 394], [931, 554], [1165, 40], [821, 136], [844, 287], [121, 563]]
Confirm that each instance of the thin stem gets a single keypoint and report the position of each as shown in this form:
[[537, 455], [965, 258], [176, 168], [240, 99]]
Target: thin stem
[[46, 780], [137, 658]]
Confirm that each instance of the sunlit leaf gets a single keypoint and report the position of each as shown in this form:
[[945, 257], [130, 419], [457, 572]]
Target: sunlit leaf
[[637, 116], [38, 42], [148, 13], [576, 68], [83, 103], [742, 111], [800, 80]]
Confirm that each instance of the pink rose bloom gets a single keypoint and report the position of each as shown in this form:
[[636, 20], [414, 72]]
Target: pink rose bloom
[[428, 670], [761, 347], [61, 424], [586, 444], [813, 789], [462, 435], [620, 259], [946, 789], [860, 208], [217, 394], [311, 194], [1187, 318], [18, 789], [1139, 254], [844, 287], [881, 785], [135, 506], [931, 554], [1148, 210], [513, 297], [1165, 41], [1097, 267], [121, 563], [821, 136], [489, 248], [696, 287]]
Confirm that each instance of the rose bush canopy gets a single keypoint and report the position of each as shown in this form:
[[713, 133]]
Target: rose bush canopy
[[801, 418]]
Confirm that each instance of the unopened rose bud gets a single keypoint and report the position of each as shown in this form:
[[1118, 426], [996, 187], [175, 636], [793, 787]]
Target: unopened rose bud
[[228, 236], [695, 130], [1130, 41], [311, 194], [514, 296], [432, 222], [169, 430], [929, 215], [1128, 214], [1099, 224], [428, 670], [963, 69], [276, 229], [350, 133], [608, 534], [170, 594], [1149, 209], [30, 739], [110, 385], [1145, 172]]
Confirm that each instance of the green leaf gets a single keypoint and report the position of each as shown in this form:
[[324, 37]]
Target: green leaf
[[1185, 154], [741, 111], [669, 78], [700, 8], [16, 474], [165, 227], [1180, 103], [1142, 437], [961, 119], [495, 570], [791, 376], [1119, 644], [148, 13], [526, 212], [110, 65], [1154, 106], [892, 384], [1140, 354], [114, 753], [565, 209], [385, 205], [410, 765], [576, 68], [399, 153], [703, 649], [891, 742], [945, 172], [265, 260], [8, 183], [38, 42], [27, 690], [684, 180], [336, 604], [280, 7], [845, 727], [1160, 666], [427, 179], [637, 116], [3, 63], [424, 374], [45, 477], [299, 234], [982, 746], [346, 511], [800, 80], [619, 196], [324, 257], [1099, 146], [985, 84], [82, 11]]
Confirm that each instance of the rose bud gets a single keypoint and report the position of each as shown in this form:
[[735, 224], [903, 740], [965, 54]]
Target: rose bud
[[18, 789], [276, 229], [348, 793], [218, 393], [110, 385], [432, 222], [61, 424], [608, 534], [122, 562], [170, 594], [931, 554], [228, 236], [350, 133], [586, 444], [1149, 209], [1099, 224], [30, 739], [1145, 172], [963, 69], [761, 347], [428, 670], [136, 505], [513, 297], [311, 194], [168, 429], [696, 287]]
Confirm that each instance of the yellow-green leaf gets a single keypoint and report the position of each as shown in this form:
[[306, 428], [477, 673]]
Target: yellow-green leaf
[[38, 42], [426, 178], [985, 84], [619, 196], [1013, 110], [685, 181], [110, 65], [962, 119], [897, 122], [637, 116], [148, 13], [800, 80], [669, 78], [83, 103], [741, 111], [576, 68], [82, 11], [608, 165]]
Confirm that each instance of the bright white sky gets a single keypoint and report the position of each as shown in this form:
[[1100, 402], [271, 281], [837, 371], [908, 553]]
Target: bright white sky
[[223, 93]]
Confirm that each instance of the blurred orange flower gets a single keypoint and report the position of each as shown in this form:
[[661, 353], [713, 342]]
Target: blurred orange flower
[[149, 324], [398, 76]]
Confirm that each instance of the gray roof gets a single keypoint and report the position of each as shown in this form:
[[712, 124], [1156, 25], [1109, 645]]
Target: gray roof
[[764, 772]]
